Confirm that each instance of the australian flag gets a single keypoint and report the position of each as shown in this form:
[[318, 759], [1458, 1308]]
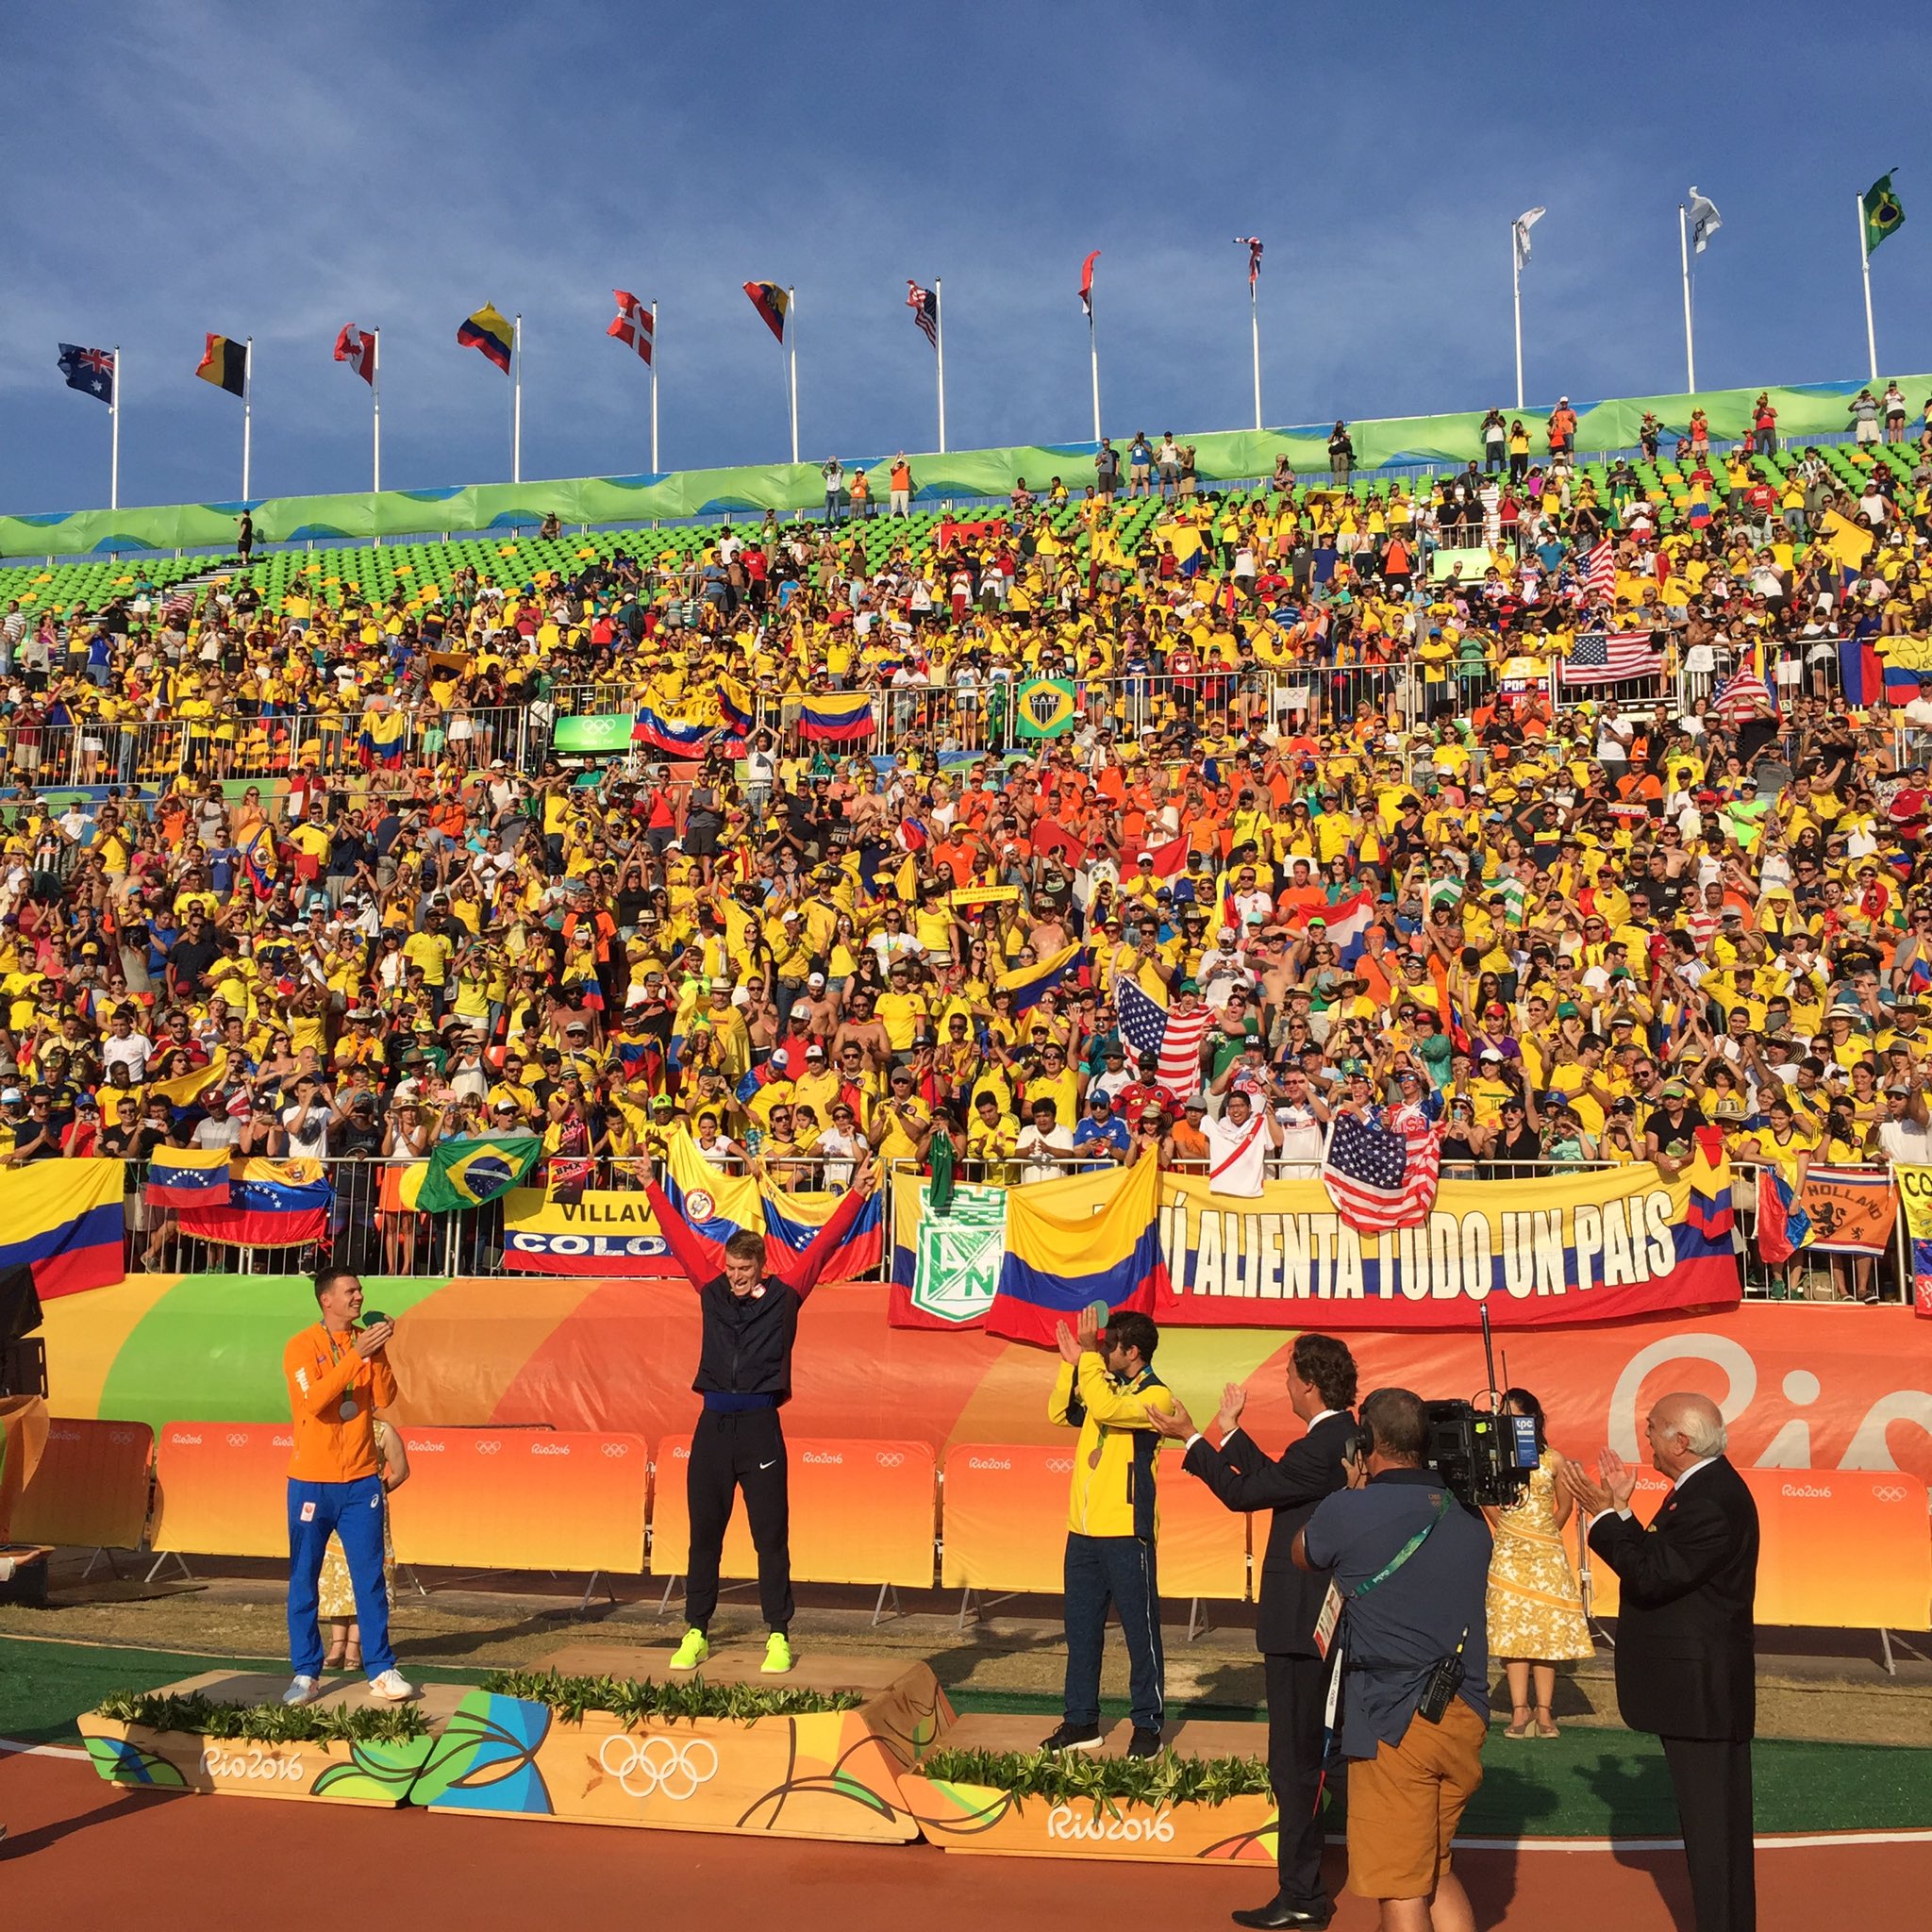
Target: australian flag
[[90, 370]]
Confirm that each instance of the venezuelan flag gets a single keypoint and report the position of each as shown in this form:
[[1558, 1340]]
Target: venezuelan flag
[[836, 718], [62, 1219], [187, 1177], [1028, 984], [384, 734], [772, 303], [792, 1222], [225, 363], [491, 333], [270, 1204], [1061, 1255]]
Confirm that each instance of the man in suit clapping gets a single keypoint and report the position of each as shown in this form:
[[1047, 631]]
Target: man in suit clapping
[[1685, 1652], [1322, 1390]]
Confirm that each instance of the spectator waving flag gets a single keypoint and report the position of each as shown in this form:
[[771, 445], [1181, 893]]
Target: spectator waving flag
[[357, 347], [1382, 1168], [90, 370], [1610, 656], [634, 325], [925, 305], [1744, 695], [1599, 572], [1174, 1038], [1253, 244]]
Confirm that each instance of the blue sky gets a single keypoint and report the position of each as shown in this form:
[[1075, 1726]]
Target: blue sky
[[278, 170]]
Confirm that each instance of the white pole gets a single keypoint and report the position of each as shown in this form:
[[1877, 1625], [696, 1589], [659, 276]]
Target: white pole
[[248, 406], [516, 403], [939, 346], [375, 401], [1516, 302], [1690, 347], [1255, 323], [654, 386], [115, 439], [1865, 265], [1093, 355], [791, 324]]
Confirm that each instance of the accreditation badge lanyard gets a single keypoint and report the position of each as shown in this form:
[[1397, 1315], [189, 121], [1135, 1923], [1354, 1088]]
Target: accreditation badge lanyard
[[347, 1409]]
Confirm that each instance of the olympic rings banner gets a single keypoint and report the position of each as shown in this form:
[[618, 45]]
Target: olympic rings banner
[[1600, 1246]]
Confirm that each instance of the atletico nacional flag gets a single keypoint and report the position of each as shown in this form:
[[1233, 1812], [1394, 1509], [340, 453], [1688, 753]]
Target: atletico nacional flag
[[490, 332], [90, 370], [270, 1204], [225, 363], [634, 325], [836, 717], [772, 303], [187, 1177], [357, 347]]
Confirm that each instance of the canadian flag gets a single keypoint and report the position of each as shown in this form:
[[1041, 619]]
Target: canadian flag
[[357, 347], [633, 325]]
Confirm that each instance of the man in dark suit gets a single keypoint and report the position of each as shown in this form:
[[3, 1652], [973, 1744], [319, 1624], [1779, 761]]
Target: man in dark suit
[[1321, 1388], [1686, 1654]]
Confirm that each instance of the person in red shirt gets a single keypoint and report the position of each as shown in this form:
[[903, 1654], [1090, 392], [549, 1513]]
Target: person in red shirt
[[338, 1377]]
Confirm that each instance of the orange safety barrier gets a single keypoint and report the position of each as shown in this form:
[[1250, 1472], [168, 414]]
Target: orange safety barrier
[[523, 1499], [861, 1512], [1838, 1548], [1006, 1525], [89, 1488]]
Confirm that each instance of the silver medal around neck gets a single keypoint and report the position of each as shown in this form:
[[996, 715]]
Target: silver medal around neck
[[347, 1411]]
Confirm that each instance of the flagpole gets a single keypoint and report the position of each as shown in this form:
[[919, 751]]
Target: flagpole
[[1094, 354], [1255, 324], [375, 401], [939, 320], [1865, 265], [1516, 302], [247, 408], [114, 438], [1684, 253], [516, 403], [654, 387], [791, 324]]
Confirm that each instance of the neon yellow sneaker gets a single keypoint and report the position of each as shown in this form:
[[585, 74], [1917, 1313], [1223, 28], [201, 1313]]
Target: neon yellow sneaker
[[778, 1655], [691, 1652]]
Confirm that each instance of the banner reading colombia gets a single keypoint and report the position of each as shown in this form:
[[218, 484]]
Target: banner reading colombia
[[1599, 1246]]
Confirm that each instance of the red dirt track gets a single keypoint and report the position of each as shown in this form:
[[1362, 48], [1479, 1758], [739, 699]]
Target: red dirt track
[[81, 1853]]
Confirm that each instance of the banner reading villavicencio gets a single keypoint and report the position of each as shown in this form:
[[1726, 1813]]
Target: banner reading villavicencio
[[1598, 1246], [602, 1232]]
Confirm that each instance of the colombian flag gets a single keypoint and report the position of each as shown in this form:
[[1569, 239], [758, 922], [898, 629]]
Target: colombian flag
[[184, 1089], [677, 737], [62, 1219], [1028, 983], [772, 303], [382, 740], [737, 707], [714, 1206], [838, 717], [225, 363], [270, 1204], [187, 1177], [490, 332], [1061, 1255]]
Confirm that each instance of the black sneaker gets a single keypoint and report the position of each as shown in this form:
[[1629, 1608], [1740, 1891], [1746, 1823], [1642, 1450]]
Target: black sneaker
[[1144, 1743], [1073, 1738]]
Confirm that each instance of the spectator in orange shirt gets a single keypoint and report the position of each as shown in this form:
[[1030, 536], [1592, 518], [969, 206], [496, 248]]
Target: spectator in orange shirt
[[338, 1377]]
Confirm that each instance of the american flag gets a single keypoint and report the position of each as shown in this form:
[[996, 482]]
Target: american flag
[[1744, 695], [1609, 657], [1175, 1038], [1381, 1172], [634, 325], [1253, 244], [1599, 574], [925, 305]]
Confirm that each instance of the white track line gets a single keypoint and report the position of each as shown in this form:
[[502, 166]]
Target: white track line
[[18, 1749]]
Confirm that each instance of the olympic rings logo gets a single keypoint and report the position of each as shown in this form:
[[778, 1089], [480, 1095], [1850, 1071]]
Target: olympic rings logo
[[1892, 1493], [488, 1446], [661, 1767], [889, 1459], [237, 1440], [1060, 1465], [617, 1449]]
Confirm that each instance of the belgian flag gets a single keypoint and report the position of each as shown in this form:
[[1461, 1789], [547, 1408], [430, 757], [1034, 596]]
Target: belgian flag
[[771, 301], [225, 363]]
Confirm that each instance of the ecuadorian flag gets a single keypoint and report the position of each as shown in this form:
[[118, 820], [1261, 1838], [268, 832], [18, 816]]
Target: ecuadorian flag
[[491, 333], [1061, 1255], [270, 1204], [1028, 984], [836, 717], [187, 1177], [62, 1219], [382, 740]]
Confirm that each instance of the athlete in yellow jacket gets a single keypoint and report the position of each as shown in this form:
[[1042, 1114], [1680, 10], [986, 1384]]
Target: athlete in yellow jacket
[[1105, 1388]]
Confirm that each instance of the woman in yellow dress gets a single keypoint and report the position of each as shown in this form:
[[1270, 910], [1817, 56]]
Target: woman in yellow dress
[[1535, 1610], [337, 1604]]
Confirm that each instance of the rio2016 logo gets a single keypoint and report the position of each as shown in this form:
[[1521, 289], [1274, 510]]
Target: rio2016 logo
[[659, 1767], [255, 1765], [1072, 1822]]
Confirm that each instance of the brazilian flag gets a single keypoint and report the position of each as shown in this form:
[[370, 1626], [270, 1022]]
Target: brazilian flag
[[1883, 214], [466, 1172]]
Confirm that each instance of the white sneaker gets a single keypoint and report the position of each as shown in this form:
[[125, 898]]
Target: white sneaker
[[303, 1690], [392, 1687]]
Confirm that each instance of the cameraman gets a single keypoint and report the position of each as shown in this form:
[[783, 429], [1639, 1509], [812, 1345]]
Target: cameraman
[[1411, 1568]]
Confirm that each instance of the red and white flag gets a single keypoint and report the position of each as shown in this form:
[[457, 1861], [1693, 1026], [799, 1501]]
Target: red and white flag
[[1170, 860], [1253, 244], [633, 325], [357, 347], [1086, 283]]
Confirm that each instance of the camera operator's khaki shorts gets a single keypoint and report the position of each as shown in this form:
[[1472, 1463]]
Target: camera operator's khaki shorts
[[1405, 1804]]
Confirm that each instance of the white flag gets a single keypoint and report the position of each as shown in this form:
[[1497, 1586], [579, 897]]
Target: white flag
[[1523, 224], [1704, 220]]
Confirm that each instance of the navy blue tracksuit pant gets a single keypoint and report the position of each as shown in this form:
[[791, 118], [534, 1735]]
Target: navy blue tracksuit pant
[[1117, 1570]]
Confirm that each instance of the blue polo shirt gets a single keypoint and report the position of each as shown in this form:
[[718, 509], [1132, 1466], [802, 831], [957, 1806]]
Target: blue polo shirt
[[1396, 1632]]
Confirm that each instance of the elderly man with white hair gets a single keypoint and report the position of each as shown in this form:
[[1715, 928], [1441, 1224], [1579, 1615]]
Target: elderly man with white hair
[[1686, 1654]]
